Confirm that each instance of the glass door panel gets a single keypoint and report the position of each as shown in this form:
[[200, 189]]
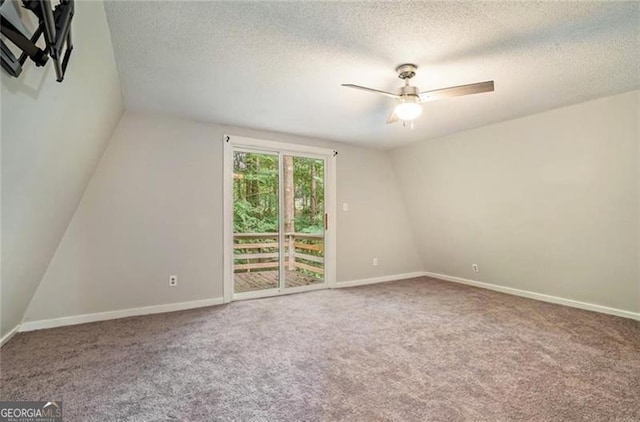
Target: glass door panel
[[304, 220], [256, 216]]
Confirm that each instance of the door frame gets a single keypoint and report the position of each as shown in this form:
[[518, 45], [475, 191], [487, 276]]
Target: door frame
[[230, 142]]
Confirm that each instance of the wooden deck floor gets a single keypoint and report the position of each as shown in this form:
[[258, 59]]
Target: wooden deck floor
[[260, 280]]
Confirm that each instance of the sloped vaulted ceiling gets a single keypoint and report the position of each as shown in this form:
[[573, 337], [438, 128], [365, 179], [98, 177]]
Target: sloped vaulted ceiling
[[279, 65], [53, 135]]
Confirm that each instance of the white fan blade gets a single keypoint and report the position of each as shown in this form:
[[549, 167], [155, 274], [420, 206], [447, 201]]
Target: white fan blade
[[393, 117], [456, 91], [375, 91]]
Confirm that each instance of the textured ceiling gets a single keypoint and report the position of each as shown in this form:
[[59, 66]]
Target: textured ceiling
[[279, 65]]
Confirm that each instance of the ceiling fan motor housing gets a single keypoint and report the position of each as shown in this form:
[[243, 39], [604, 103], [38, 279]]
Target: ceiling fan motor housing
[[409, 91]]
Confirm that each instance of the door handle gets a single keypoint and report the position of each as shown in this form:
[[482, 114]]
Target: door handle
[[326, 221]]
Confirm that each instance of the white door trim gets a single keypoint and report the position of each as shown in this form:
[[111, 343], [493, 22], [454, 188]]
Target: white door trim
[[229, 143], [273, 146]]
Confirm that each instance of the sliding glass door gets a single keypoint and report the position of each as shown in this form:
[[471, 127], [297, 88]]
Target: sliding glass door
[[279, 221], [304, 220], [256, 221]]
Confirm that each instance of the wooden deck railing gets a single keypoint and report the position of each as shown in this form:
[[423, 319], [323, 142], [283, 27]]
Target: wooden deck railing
[[259, 251]]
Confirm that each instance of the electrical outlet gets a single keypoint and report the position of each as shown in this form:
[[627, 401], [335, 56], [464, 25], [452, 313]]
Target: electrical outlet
[[173, 280], [345, 206], [475, 268], [375, 262]]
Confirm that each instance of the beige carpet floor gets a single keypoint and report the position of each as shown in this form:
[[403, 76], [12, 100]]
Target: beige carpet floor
[[414, 350]]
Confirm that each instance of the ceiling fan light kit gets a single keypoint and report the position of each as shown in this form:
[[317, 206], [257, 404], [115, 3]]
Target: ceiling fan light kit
[[408, 108], [410, 99]]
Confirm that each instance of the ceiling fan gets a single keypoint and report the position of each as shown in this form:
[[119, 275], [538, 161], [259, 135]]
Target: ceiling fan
[[410, 99]]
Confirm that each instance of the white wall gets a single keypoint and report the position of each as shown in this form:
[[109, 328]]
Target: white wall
[[638, 179], [53, 135], [546, 203], [154, 208]]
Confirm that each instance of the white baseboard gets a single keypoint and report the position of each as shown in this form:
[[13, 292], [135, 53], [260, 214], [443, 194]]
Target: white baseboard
[[123, 313], [384, 278], [538, 296], [171, 307], [10, 334]]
